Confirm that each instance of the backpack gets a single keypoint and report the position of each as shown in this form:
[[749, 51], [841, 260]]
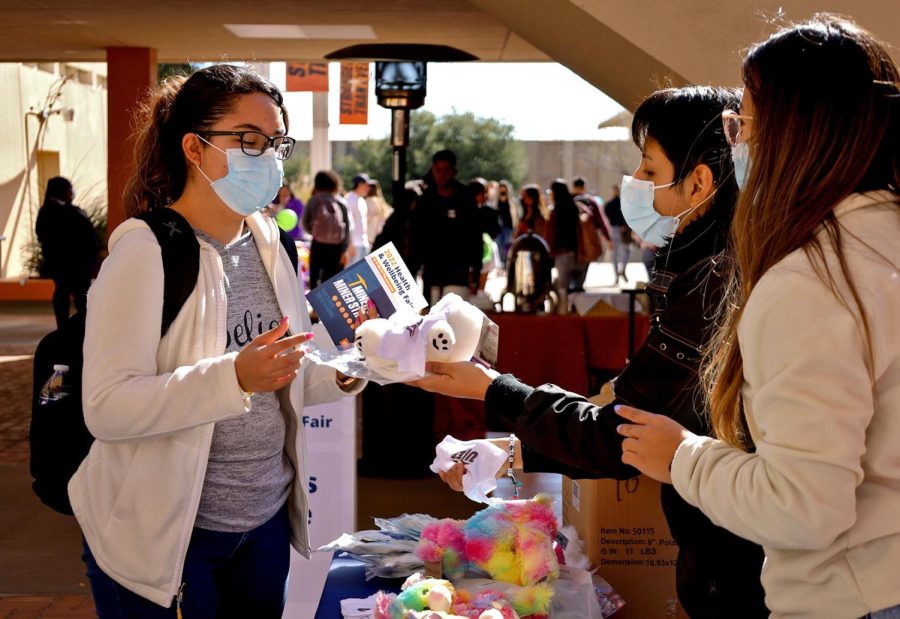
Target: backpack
[[58, 437], [330, 222], [590, 247]]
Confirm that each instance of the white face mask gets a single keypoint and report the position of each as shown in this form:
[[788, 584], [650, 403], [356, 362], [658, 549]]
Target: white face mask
[[636, 197], [251, 182]]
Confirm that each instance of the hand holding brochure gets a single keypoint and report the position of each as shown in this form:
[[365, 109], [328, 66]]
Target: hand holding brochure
[[382, 277]]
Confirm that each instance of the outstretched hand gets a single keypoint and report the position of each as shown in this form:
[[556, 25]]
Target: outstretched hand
[[270, 361], [465, 379], [650, 442], [453, 477]]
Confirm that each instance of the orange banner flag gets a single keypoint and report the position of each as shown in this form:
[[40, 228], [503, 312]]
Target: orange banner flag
[[307, 76], [354, 93]]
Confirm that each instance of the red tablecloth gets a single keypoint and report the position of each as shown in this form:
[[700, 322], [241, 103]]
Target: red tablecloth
[[606, 340], [545, 349]]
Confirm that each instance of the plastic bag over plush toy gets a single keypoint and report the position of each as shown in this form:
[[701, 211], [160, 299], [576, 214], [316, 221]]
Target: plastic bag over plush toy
[[396, 349], [482, 460]]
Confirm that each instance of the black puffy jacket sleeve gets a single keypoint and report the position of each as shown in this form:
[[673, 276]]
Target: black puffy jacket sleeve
[[562, 432]]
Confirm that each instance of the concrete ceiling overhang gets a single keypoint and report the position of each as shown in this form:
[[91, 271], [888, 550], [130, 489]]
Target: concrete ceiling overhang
[[627, 48], [60, 30]]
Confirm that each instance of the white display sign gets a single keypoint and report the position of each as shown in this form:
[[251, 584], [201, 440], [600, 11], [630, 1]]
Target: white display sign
[[331, 456]]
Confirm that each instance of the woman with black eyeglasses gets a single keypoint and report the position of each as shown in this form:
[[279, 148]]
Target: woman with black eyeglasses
[[195, 487]]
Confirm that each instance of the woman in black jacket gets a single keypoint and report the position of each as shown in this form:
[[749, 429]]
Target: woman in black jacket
[[686, 211]]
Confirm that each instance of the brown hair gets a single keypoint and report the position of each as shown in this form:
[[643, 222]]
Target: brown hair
[[183, 105], [826, 125]]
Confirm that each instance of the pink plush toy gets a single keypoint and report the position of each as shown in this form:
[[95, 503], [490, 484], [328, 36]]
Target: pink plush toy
[[511, 541]]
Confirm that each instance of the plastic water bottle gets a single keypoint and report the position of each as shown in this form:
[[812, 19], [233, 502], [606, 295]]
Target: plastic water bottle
[[55, 388]]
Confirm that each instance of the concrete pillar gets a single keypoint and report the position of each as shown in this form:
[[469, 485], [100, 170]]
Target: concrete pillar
[[320, 148], [131, 73]]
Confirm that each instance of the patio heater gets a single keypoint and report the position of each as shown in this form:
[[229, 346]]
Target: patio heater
[[400, 80]]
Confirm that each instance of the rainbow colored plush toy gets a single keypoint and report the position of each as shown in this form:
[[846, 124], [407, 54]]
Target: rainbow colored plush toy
[[512, 541], [416, 594], [430, 598]]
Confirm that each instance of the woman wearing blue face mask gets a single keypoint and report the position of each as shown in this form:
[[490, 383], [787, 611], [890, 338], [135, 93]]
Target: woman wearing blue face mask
[[195, 488], [682, 197], [803, 378]]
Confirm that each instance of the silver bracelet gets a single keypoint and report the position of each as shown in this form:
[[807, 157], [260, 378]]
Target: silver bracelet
[[509, 469]]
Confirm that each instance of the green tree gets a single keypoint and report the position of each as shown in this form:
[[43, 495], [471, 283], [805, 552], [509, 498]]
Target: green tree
[[297, 166], [186, 69], [483, 146]]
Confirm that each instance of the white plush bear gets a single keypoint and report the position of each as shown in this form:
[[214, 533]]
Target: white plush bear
[[398, 347]]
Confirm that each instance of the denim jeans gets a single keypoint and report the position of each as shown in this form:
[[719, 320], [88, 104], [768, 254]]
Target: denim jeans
[[225, 575], [887, 613], [621, 253]]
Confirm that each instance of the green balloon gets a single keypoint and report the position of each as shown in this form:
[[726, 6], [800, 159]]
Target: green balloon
[[287, 219], [487, 247]]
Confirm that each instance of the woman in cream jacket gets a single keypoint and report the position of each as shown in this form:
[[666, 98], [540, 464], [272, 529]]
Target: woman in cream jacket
[[804, 377]]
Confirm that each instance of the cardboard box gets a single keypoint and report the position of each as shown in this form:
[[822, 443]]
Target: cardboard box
[[627, 539]]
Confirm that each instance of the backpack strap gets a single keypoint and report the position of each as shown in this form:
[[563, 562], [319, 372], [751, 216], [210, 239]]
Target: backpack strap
[[180, 257], [290, 247]]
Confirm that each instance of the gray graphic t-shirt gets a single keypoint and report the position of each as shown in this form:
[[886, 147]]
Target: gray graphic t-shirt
[[249, 475]]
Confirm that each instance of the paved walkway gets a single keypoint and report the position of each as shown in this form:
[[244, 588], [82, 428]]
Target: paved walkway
[[47, 607], [41, 574]]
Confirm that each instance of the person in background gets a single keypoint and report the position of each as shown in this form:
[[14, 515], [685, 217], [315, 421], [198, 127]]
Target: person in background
[[69, 246], [684, 198], [490, 228], [397, 227], [359, 218], [535, 212], [562, 230], [196, 486], [590, 208], [287, 200], [508, 210], [487, 214], [648, 253], [803, 377], [492, 189], [326, 219], [445, 232], [593, 205], [620, 235], [377, 211]]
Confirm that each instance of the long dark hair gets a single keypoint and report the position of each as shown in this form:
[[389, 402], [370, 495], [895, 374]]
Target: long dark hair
[[58, 188], [687, 124], [565, 214], [183, 105], [826, 124]]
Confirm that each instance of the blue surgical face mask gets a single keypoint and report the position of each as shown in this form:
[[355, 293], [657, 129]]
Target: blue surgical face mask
[[636, 197], [740, 156], [251, 182]]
